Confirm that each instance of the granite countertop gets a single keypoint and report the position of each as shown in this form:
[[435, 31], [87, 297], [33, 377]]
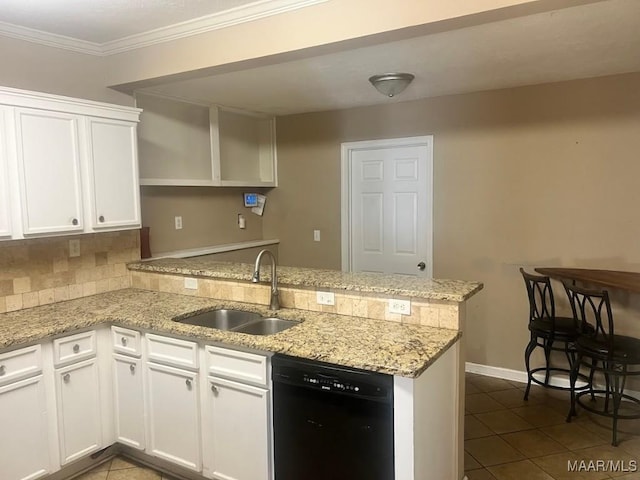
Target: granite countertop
[[402, 285], [388, 347]]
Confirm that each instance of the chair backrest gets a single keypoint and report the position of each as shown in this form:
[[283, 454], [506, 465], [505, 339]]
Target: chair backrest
[[541, 303], [592, 307]]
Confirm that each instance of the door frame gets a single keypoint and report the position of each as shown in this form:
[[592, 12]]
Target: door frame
[[347, 148]]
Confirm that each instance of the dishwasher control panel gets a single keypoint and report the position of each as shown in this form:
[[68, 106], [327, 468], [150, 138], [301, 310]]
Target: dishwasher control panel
[[333, 378]]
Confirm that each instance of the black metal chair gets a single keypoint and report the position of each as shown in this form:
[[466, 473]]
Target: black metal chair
[[616, 357], [547, 331]]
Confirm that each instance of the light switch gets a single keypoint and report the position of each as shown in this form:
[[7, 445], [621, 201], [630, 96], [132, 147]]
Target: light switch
[[316, 235], [178, 221]]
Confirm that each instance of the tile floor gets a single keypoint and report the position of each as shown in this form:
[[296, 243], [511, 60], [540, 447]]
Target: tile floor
[[121, 468], [506, 438]]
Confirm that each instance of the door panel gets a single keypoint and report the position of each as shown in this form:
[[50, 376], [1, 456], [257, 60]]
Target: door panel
[[405, 223], [49, 169], [390, 205]]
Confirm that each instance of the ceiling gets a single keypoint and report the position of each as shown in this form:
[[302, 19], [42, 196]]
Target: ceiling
[[595, 39], [592, 40], [103, 27], [103, 21]]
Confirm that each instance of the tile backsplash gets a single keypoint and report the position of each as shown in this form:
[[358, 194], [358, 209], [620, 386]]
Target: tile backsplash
[[432, 313], [40, 271]]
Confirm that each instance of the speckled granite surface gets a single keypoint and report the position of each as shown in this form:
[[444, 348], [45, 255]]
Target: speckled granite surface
[[206, 266], [389, 347]]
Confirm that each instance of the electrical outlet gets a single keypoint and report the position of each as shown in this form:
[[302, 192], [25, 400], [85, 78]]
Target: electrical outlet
[[403, 307], [325, 298], [316, 235], [191, 283], [74, 248], [178, 221]]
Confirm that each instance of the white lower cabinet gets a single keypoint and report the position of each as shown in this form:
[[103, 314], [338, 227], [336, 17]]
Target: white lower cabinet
[[79, 411], [24, 447], [174, 415], [239, 430], [128, 391], [203, 408]]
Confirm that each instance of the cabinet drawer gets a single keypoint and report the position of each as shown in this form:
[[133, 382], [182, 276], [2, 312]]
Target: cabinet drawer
[[236, 365], [21, 363], [172, 351], [74, 348], [126, 341]]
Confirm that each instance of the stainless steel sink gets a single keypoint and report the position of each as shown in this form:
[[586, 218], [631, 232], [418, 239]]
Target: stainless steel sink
[[222, 319], [238, 321], [266, 326]]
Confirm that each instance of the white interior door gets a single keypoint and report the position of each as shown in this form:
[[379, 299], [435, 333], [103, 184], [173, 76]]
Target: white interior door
[[388, 193]]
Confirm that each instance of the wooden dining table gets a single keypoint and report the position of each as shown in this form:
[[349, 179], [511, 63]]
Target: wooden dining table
[[628, 281]]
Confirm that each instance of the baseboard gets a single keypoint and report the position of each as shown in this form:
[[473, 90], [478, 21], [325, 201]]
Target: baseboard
[[521, 376]]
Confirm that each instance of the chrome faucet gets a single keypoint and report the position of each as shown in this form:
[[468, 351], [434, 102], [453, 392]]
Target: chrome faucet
[[274, 304]]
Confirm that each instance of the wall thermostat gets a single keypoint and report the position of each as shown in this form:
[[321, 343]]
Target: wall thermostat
[[250, 199]]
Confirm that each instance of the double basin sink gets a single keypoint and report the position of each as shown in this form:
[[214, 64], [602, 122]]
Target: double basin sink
[[238, 321]]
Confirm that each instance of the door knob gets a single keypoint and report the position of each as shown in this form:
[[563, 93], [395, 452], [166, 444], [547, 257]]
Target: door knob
[[421, 266]]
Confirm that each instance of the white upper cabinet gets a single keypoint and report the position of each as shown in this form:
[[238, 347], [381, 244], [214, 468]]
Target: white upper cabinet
[[113, 174], [49, 171], [67, 165], [190, 144], [5, 201]]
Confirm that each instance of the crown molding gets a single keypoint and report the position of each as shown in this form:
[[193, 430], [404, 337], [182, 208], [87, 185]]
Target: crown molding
[[196, 26], [50, 39]]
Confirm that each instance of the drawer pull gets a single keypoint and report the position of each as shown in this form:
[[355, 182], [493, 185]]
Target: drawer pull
[[76, 348], [188, 382], [3, 370], [66, 377], [123, 340], [132, 367]]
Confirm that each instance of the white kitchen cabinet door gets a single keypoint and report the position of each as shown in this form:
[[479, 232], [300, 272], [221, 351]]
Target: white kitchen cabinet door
[[173, 415], [48, 154], [24, 445], [129, 401], [79, 411], [5, 202], [238, 430], [113, 174]]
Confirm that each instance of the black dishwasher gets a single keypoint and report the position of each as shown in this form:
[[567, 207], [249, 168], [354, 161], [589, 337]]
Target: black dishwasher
[[331, 422]]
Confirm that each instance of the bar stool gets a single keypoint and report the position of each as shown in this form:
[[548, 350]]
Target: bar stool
[[548, 331], [615, 356]]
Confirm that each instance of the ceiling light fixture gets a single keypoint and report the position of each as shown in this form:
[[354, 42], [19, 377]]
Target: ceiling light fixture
[[391, 84]]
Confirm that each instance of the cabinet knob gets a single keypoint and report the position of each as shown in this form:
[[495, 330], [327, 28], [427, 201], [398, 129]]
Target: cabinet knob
[[74, 221], [101, 218], [76, 348], [132, 367], [188, 382], [3, 370], [214, 389], [124, 341], [66, 377]]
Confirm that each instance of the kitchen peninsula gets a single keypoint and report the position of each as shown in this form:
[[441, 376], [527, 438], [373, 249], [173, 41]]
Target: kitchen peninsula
[[423, 351]]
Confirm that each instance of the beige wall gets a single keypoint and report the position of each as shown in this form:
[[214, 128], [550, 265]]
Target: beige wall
[[209, 217], [30, 66], [542, 175]]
